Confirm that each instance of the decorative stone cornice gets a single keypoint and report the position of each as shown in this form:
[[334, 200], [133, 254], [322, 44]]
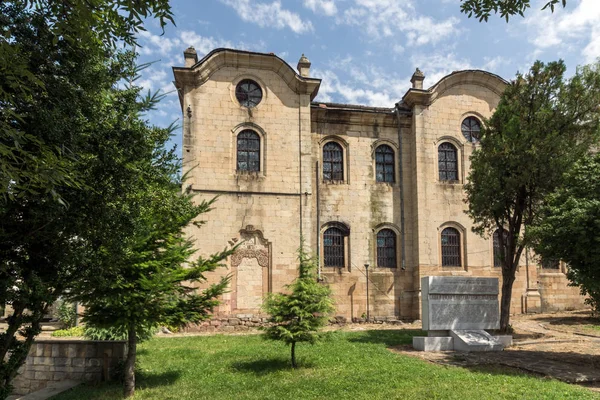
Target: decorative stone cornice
[[201, 71], [488, 80]]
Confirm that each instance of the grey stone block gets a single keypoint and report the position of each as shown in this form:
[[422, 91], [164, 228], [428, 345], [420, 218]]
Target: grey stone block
[[475, 340], [423, 343]]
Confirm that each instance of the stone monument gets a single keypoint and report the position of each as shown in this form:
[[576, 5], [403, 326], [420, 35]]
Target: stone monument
[[456, 311]]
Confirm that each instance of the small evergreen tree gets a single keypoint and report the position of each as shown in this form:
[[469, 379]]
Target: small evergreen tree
[[298, 316]]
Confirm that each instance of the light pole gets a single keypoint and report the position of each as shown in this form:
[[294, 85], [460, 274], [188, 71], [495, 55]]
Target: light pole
[[367, 270]]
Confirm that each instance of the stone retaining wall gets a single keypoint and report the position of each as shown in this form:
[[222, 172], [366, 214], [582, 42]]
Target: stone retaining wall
[[57, 360]]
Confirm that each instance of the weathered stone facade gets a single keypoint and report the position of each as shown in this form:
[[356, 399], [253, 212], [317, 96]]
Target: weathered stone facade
[[286, 194]]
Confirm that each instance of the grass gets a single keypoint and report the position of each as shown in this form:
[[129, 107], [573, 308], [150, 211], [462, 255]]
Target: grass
[[351, 365]]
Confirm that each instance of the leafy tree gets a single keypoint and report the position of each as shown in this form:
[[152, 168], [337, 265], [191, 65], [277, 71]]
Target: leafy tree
[[86, 148], [482, 9], [298, 315], [542, 125], [569, 228], [27, 163], [151, 283]]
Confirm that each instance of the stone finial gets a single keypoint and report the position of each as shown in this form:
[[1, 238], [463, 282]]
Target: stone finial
[[191, 57], [417, 79], [304, 66]]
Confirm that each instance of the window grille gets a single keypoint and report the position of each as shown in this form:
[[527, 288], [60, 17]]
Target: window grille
[[248, 151], [248, 93], [384, 164], [451, 248], [333, 162], [386, 248], [471, 129], [333, 247], [447, 162]]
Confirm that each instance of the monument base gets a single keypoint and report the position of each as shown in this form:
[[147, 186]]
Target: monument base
[[462, 340]]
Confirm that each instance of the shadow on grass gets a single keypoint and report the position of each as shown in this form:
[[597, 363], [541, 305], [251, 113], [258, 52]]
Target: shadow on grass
[[387, 337], [265, 367], [150, 380]]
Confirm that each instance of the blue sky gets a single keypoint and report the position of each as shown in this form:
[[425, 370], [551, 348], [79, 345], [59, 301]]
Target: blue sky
[[366, 50]]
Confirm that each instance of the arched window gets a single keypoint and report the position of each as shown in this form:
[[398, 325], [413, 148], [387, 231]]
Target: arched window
[[248, 151], [451, 248], [447, 162], [333, 162], [471, 129], [333, 247], [499, 255], [384, 164], [386, 248]]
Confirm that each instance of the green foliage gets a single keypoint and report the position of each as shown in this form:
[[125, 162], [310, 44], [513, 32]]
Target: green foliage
[[66, 313], [541, 127], [482, 9], [569, 229], [297, 316], [76, 331], [144, 332], [73, 146]]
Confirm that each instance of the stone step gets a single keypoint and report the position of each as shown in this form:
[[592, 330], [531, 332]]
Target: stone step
[[475, 340]]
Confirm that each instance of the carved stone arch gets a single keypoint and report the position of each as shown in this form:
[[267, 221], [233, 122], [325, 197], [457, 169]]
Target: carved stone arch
[[251, 270]]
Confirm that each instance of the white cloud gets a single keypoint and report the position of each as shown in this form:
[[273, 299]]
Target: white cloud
[[566, 28], [326, 7], [436, 65], [269, 15], [386, 18]]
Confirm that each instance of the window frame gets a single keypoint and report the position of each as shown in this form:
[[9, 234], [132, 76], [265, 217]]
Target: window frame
[[394, 247], [331, 162], [342, 245], [456, 161], [459, 247], [248, 80], [259, 139], [385, 163], [468, 135]]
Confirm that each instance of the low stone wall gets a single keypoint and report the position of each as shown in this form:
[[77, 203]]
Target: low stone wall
[[57, 360], [557, 295]]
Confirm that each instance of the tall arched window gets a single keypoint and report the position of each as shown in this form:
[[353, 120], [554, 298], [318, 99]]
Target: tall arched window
[[333, 162], [471, 129], [333, 247], [384, 164], [447, 162], [386, 248], [499, 255], [248, 151], [451, 248]]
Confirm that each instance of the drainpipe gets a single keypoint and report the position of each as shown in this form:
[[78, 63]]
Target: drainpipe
[[318, 229], [401, 182]]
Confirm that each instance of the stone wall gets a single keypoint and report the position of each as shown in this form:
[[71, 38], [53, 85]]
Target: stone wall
[[58, 360]]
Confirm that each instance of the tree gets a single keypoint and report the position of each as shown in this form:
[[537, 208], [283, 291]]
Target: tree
[[27, 163], [150, 284], [543, 124], [569, 227], [298, 315], [482, 9], [86, 148]]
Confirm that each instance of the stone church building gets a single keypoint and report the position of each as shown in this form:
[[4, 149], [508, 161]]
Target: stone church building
[[372, 190]]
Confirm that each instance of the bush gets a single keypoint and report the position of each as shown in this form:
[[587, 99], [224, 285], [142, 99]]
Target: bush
[[117, 333], [75, 331], [67, 314]]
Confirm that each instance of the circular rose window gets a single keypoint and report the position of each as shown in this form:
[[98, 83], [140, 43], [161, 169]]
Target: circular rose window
[[248, 93]]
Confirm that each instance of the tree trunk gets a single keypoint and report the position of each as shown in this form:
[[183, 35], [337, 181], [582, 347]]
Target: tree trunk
[[129, 378], [294, 355], [508, 278]]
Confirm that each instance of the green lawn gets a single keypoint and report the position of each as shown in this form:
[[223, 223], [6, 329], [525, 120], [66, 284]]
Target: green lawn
[[353, 365]]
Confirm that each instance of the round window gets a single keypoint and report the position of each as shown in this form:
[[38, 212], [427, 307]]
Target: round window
[[248, 93], [471, 129]]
